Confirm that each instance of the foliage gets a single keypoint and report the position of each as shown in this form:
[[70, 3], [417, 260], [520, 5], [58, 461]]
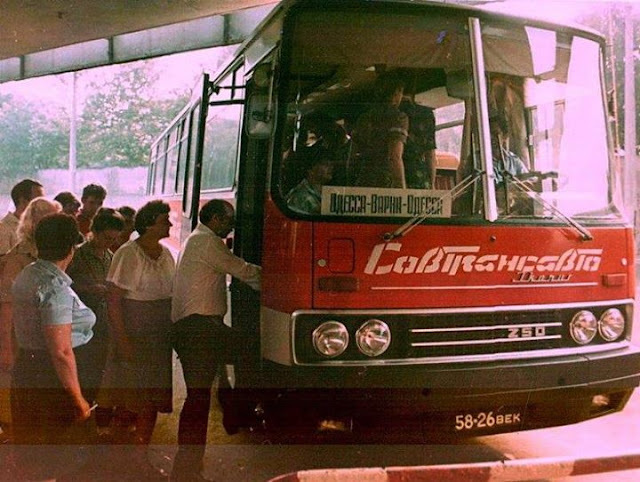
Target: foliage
[[29, 141], [121, 119]]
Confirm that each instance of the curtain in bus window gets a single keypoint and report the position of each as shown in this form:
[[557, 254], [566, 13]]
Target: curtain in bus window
[[583, 149], [380, 39], [220, 146]]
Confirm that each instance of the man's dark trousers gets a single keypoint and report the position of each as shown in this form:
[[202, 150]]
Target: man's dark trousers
[[197, 340]]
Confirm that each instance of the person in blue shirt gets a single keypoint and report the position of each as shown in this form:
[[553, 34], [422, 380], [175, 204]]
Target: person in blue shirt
[[505, 162], [53, 330], [306, 197]]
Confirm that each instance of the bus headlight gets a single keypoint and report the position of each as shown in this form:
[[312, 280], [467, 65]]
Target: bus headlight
[[583, 327], [373, 337], [330, 339], [611, 324]]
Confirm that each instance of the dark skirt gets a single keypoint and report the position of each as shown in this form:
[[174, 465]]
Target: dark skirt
[[47, 440], [147, 380]]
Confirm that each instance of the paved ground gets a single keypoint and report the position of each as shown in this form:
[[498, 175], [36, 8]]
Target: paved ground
[[108, 459]]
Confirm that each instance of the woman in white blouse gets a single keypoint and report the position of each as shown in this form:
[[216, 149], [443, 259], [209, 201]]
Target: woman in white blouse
[[140, 278]]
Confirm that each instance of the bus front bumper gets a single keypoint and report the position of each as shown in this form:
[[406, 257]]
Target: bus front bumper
[[463, 399]]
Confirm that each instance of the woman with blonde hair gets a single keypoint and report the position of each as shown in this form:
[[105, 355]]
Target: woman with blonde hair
[[13, 262]]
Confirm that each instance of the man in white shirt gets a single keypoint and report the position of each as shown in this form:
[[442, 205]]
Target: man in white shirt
[[21, 195], [198, 333]]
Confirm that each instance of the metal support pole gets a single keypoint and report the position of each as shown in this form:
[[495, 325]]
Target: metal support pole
[[73, 134]]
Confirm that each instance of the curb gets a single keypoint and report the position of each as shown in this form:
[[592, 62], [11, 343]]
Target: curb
[[505, 470]]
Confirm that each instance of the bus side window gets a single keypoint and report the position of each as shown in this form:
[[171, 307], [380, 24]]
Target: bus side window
[[220, 146], [160, 155], [172, 163]]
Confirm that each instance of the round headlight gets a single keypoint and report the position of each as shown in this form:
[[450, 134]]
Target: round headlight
[[583, 327], [373, 338], [611, 324], [330, 339]]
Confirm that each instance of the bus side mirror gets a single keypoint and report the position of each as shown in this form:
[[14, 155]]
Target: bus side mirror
[[260, 116]]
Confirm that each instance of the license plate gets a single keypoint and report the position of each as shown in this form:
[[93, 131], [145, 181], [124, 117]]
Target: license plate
[[485, 420]]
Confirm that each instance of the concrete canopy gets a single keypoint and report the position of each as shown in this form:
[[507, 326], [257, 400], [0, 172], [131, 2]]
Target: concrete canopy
[[28, 26], [40, 37]]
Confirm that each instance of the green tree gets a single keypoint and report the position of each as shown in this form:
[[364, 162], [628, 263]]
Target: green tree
[[122, 117], [29, 141]]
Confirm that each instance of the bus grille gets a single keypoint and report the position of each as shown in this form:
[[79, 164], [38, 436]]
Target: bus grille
[[453, 334], [485, 333]]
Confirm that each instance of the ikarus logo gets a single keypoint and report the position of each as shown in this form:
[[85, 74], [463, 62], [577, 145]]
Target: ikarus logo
[[388, 258]]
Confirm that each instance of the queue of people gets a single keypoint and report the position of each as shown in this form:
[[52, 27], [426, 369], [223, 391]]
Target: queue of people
[[89, 322]]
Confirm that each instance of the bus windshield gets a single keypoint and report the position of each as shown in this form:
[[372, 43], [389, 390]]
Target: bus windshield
[[547, 121], [380, 119]]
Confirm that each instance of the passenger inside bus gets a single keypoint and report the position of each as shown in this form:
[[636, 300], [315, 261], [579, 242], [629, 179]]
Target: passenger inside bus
[[380, 135], [318, 131], [505, 162], [327, 134], [420, 150], [506, 166], [506, 96], [306, 197]]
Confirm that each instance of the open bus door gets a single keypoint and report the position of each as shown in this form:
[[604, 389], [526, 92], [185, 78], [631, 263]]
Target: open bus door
[[198, 107], [240, 375]]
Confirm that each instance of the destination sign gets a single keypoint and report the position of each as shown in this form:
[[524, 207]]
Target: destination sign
[[373, 201]]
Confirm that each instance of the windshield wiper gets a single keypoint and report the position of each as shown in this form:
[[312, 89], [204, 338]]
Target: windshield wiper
[[585, 234], [461, 187], [454, 193]]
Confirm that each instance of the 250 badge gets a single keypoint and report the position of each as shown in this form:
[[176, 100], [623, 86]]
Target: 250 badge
[[468, 421]]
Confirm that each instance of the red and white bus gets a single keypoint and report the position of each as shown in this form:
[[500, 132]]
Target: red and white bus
[[498, 301]]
